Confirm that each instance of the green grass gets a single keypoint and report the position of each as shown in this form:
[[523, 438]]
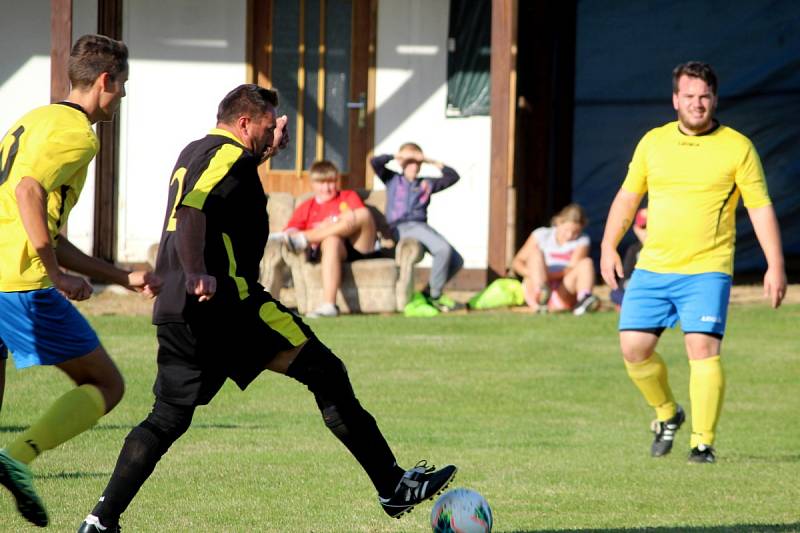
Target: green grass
[[536, 411]]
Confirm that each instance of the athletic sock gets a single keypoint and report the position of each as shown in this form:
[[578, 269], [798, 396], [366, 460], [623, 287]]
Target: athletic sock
[[326, 377], [71, 414], [706, 392], [650, 377], [137, 459]]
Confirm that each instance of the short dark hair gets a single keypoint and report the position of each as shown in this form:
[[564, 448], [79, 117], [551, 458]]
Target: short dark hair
[[94, 54], [695, 69], [246, 99]]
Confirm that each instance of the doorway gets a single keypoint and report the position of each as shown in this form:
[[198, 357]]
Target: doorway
[[319, 56]]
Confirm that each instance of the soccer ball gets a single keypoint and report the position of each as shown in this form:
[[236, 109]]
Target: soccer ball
[[462, 511]]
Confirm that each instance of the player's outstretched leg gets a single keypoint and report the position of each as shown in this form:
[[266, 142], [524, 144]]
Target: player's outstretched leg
[[326, 377]]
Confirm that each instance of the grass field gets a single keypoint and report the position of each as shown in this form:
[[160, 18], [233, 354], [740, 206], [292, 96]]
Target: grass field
[[536, 411]]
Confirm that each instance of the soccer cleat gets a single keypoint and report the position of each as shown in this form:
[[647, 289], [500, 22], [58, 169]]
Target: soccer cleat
[[91, 524], [17, 478], [418, 484], [702, 454], [665, 433], [444, 303], [588, 304]]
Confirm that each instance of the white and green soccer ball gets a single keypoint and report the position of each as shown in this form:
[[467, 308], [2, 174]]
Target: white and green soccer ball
[[461, 511]]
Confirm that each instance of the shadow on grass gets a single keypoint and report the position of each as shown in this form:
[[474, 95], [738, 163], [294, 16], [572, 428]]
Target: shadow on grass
[[732, 528], [71, 475]]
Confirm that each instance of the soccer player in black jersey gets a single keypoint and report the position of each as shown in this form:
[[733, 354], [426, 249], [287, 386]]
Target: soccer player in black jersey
[[215, 321]]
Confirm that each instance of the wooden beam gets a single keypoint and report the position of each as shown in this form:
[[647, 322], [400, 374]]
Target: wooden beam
[[60, 47], [109, 22], [503, 91]]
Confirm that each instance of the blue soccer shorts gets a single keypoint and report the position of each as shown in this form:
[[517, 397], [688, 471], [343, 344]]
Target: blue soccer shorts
[[657, 301], [41, 327]]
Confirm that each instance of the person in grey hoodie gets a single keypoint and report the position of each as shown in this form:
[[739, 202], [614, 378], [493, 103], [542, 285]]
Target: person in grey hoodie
[[407, 198]]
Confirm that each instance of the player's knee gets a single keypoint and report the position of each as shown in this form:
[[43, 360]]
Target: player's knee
[[113, 389], [169, 421], [321, 371]]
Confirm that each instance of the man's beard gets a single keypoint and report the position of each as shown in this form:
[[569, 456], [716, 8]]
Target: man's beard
[[690, 124]]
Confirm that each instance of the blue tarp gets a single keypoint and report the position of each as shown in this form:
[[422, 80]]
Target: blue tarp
[[623, 87]]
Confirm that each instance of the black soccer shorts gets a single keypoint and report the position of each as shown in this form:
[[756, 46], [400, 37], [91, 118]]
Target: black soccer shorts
[[221, 341]]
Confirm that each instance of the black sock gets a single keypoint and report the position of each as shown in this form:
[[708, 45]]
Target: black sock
[[326, 376], [359, 432], [139, 455]]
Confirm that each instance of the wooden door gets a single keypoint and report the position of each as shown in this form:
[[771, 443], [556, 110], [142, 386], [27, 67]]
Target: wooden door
[[319, 55]]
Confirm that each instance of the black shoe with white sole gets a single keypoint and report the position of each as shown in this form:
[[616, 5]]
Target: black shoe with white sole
[[665, 433], [421, 483]]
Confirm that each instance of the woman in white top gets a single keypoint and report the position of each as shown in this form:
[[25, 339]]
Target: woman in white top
[[557, 272]]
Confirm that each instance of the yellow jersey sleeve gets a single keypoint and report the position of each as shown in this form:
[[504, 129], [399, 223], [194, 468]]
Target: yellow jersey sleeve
[[636, 179], [750, 179]]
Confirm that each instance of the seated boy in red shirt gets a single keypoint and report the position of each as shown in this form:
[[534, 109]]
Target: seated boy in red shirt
[[334, 226]]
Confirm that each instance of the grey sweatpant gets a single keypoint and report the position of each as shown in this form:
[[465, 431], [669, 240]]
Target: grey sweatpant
[[446, 260]]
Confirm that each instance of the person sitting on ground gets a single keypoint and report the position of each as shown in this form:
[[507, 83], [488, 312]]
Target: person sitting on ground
[[332, 227], [554, 262], [407, 198]]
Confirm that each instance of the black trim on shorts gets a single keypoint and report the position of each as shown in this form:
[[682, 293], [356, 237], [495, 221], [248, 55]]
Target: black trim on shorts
[[709, 333], [655, 331]]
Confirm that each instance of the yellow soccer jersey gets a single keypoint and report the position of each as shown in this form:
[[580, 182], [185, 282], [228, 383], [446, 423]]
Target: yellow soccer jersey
[[54, 145], [693, 185]]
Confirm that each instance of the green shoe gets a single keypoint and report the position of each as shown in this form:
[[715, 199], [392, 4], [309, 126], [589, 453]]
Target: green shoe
[[17, 477], [444, 303], [419, 307]]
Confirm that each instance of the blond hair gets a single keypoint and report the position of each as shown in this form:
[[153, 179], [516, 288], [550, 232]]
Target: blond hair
[[323, 170], [571, 213]]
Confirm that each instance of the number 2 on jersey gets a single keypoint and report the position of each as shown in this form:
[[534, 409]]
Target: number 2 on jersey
[[177, 177]]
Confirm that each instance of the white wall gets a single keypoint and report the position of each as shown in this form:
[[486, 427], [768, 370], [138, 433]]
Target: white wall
[[185, 56], [25, 81], [411, 94]]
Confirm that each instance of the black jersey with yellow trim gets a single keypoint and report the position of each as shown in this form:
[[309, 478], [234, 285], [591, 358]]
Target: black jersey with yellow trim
[[217, 175]]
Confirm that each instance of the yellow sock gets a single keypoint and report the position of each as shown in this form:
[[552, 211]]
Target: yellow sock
[[706, 391], [650, 377], [71, 414]]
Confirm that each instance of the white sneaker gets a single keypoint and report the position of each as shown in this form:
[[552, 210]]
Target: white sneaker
[[296, 241], [587, 304], [325, 310]]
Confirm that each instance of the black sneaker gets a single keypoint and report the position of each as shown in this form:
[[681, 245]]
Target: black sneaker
[[17, 478], [702, 454], [587, 304], [665, 433], [421, 483], [91, 524]]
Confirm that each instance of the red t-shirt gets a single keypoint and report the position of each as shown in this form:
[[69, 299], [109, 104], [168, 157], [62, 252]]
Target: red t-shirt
[[310, 213]]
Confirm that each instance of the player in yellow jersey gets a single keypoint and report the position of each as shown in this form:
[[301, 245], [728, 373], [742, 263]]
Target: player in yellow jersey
[[693, 170], [43, 163]]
